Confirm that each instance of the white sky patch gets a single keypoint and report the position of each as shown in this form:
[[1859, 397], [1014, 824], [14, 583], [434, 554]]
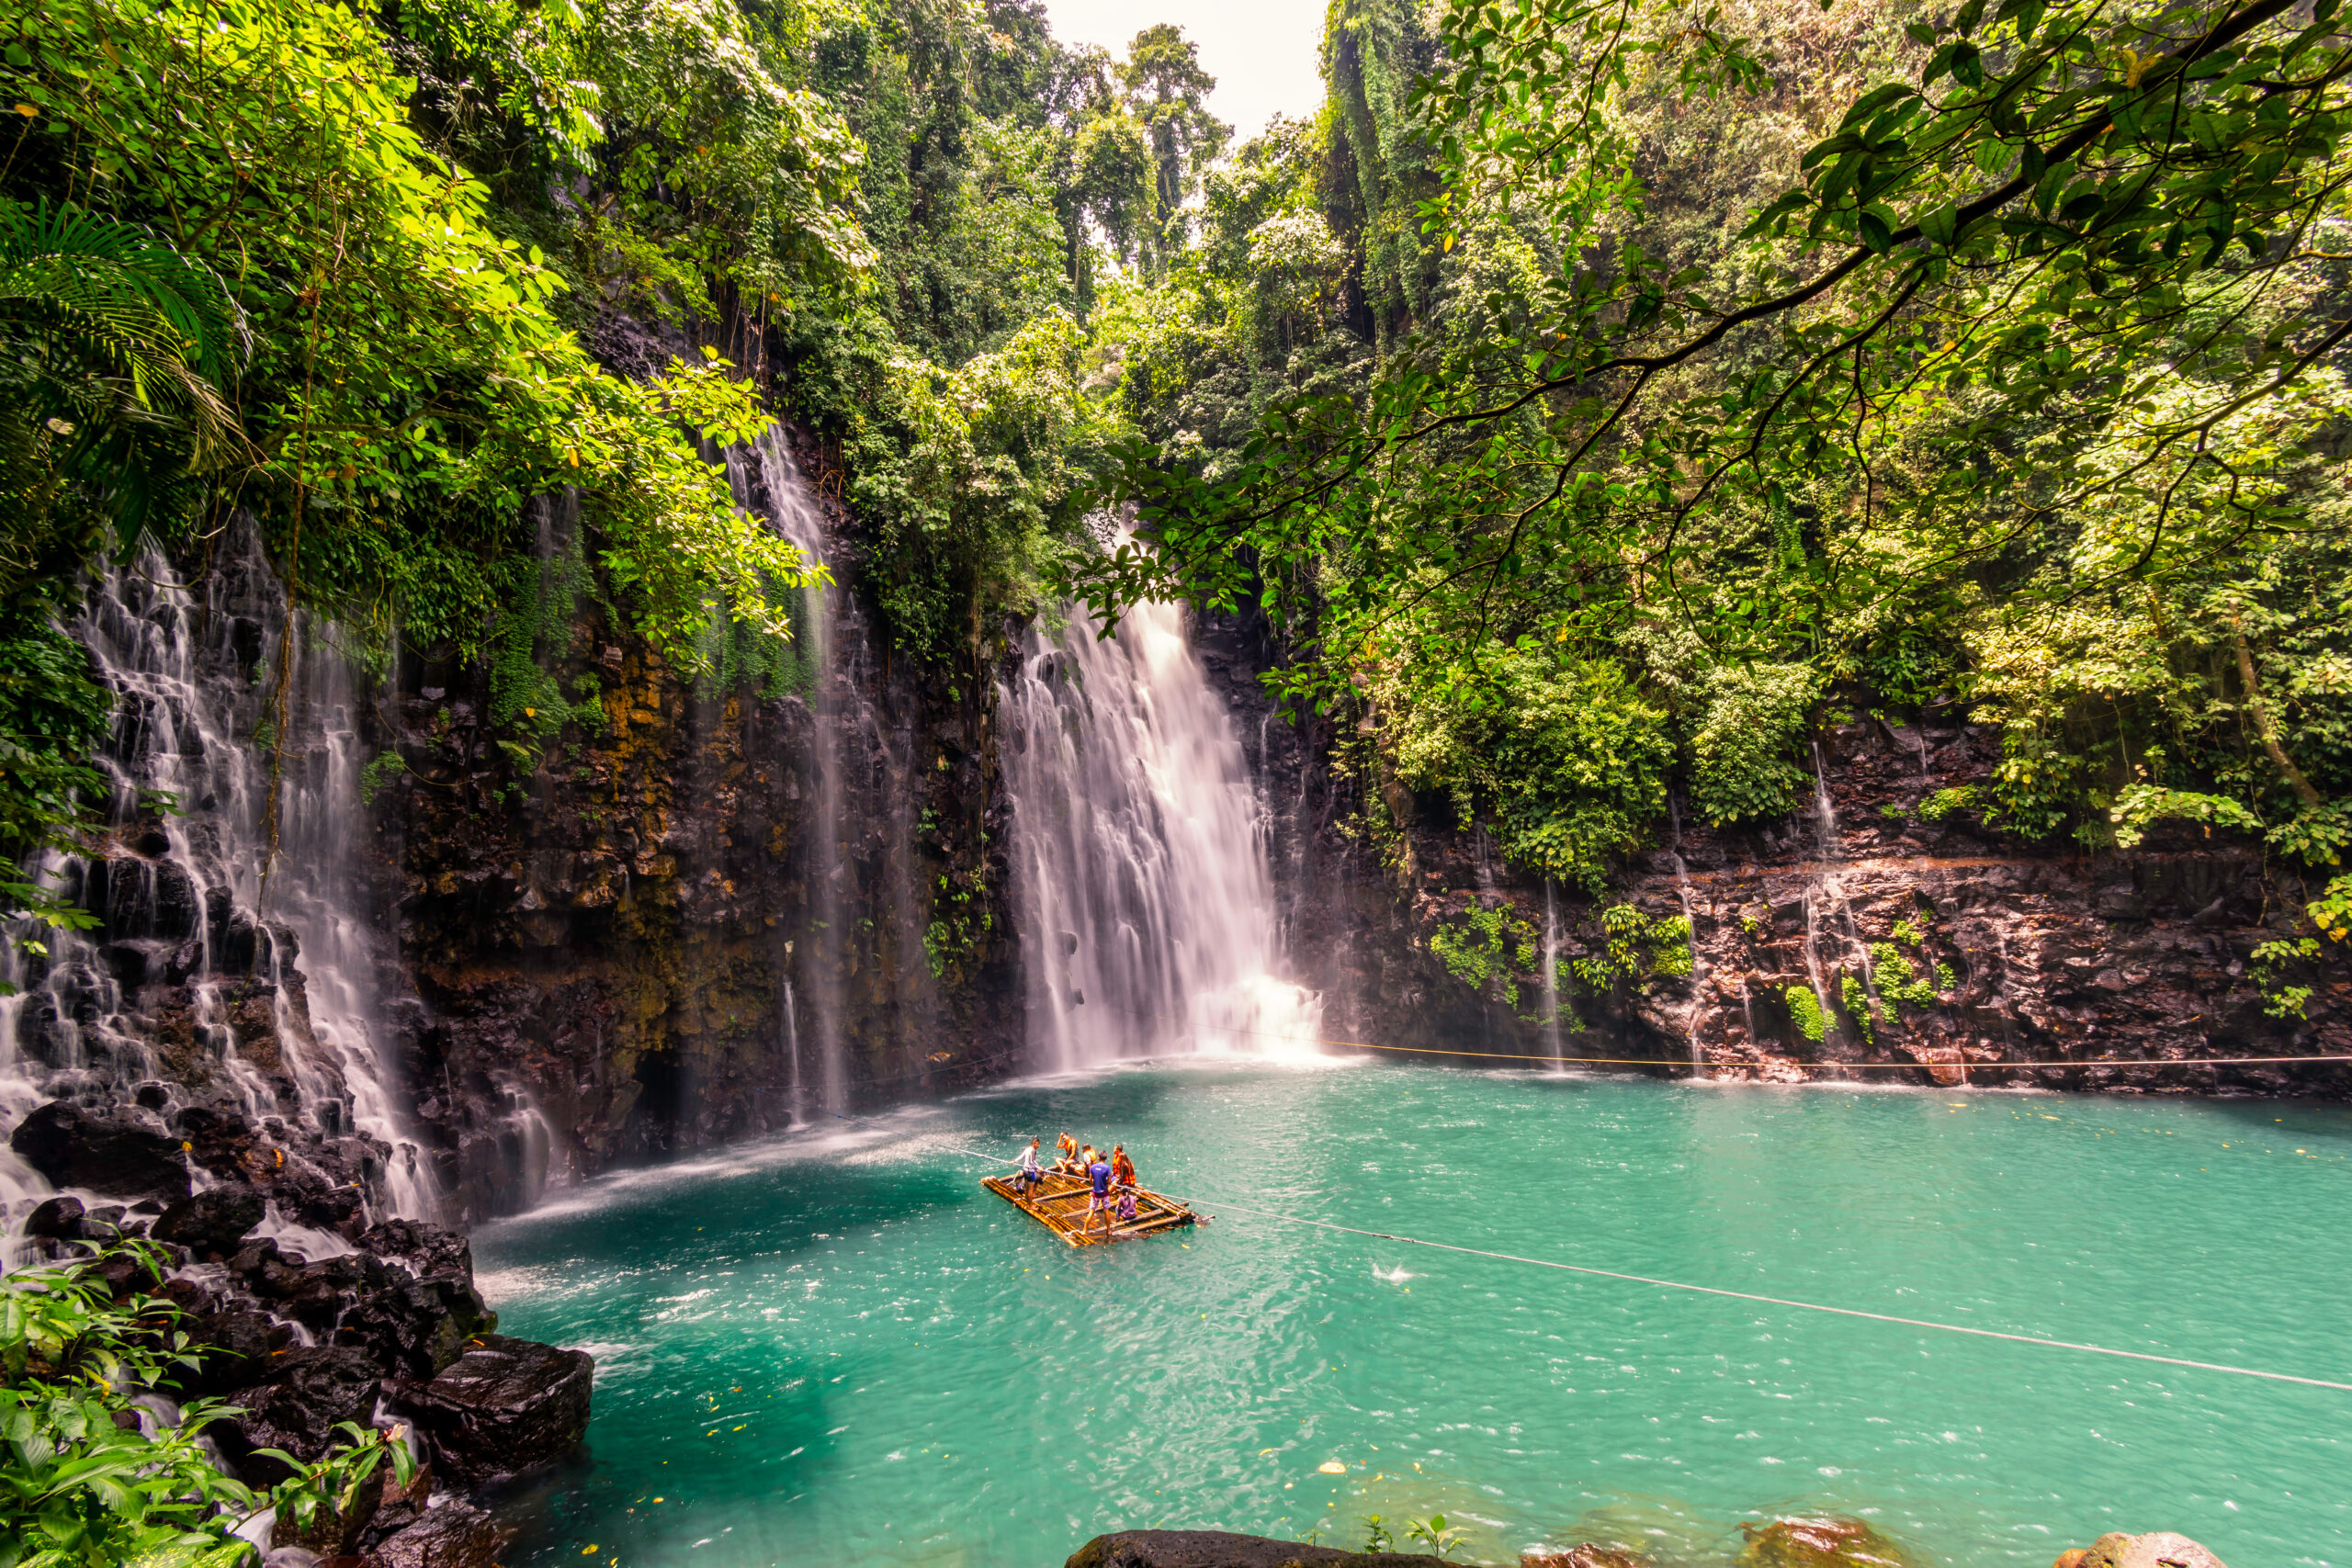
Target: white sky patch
[[1265, 55]]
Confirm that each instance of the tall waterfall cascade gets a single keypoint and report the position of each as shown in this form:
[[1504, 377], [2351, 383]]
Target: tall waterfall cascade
[[1145, 904], [233, 938]]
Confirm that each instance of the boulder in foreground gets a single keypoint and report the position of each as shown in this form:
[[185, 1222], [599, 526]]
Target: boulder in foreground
[[504, 1407], [2160, 1548], [1219, 1549]]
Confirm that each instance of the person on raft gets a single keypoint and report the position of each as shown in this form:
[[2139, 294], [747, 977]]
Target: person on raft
[[1066, 1156], [1028, 1175], [1098, 1171], [1123, 1170]]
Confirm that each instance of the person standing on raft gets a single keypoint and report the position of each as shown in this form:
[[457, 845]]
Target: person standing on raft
[[1028, 1175], [1098, 1173]]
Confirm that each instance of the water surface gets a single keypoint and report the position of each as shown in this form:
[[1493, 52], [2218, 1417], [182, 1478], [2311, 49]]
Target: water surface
[[838, 1349]]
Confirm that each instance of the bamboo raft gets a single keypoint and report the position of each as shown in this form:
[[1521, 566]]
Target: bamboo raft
[[1060, 1204]]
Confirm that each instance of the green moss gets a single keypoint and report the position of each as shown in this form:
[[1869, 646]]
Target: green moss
[[1635, 948], [1804, 1011], [1944, 802], [1856, 999], [1486, 947]]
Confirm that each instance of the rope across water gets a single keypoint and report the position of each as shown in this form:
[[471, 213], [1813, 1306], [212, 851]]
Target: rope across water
[[1747, 1295], [1670, 1061]]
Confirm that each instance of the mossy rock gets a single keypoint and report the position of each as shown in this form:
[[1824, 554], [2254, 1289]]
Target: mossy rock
[[1819, 1544]]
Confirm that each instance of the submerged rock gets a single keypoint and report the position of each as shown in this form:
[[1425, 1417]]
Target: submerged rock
[[1584, 1555], [2160, 1548], [1819, 1544], [1219, 1549], [504, 1407]]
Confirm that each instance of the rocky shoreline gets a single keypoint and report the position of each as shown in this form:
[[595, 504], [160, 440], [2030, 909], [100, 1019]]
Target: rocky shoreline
[[305, 1316], [1779, 1543]]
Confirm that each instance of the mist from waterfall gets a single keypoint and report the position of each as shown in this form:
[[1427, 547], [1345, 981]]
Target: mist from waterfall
[[1140, 882]]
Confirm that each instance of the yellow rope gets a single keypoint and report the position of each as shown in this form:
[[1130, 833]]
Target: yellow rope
[[1777, 1062]]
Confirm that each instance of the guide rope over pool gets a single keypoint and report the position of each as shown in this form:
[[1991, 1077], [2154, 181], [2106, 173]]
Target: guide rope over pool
[[1743, 1295], [1533, 1060]]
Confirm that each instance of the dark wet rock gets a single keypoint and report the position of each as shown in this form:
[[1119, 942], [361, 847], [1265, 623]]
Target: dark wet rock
[[503, 1407], [2160, 1549], [1220, 1549], [306, 1395], [212, 1222], [58, 1219], [121, 1154], [451, 1535], [191, 1296], [126, 1276], [234, 1348], [417, 1328], [1819, 1544], [428, 1250], [320, 1291]]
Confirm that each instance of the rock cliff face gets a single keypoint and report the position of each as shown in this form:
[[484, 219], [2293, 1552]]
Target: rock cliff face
[[705, 914], [1868, 928]]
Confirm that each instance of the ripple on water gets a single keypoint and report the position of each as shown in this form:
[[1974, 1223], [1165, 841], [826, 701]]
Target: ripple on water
[[835, 1346]]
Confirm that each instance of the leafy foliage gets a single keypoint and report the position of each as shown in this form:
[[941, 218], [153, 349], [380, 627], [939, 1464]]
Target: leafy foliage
[[89, 1479], [1990, 353], [1488, 949]]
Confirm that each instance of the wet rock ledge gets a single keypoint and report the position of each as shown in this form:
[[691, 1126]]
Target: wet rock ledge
[[307, 1316]]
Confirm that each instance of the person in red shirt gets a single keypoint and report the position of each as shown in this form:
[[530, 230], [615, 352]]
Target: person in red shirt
[[1123, 1170]]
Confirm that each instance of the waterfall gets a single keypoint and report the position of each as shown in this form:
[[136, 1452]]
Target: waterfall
[[866, 914], [1552, 975], [1691, 926], [1826, 899], [1145, 905], [768, 480], [232, 966]]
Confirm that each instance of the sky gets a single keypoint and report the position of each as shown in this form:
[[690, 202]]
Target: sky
[[1264, 53]]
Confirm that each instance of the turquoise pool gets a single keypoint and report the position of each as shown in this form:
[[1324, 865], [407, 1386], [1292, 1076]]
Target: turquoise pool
[[837, 1348]]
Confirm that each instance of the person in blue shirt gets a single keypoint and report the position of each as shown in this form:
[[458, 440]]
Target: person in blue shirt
[[1098, 1173]]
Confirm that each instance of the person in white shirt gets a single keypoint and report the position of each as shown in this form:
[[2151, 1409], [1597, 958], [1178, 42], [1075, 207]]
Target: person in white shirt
[[1028, 1175]]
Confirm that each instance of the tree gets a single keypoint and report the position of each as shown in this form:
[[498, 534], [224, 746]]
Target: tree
[[1166, 91], [2036, 340]]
